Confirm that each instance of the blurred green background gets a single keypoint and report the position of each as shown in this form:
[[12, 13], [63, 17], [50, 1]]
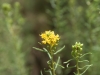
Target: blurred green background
[[21, 22]]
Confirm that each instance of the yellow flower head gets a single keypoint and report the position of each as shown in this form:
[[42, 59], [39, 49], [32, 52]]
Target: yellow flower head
[[49, 37]]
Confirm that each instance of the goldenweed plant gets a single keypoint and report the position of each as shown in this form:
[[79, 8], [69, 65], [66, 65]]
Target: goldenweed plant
[[51, 40], [77, 55]]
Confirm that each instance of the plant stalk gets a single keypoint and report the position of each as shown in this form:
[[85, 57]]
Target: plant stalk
[[77, 66], [52, 62]]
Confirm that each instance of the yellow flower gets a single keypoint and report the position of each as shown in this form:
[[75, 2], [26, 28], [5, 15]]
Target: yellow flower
[[49, 37]]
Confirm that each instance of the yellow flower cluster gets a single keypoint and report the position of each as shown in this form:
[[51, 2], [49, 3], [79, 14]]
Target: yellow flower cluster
[[50, 38]]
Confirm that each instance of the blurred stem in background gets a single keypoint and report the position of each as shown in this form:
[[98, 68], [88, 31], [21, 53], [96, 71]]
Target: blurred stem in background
[[14, 63], [93, 27]]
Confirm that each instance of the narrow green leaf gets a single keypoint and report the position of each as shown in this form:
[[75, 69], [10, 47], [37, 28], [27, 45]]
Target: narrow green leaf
[[59, 50], [57, 62], [50, 72], [45, 49], [38, 49], [85, 54], [75, 73], [39, 43], [61, 66], [68, 61], [85, 66], [41, 73], [67, 65], [48, 62], [83, 61], [86, 69], [47, 52], [71, 66]]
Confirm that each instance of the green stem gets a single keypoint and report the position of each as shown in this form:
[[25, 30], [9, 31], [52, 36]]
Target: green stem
[[52, 62], [77, 66], [53, 70]]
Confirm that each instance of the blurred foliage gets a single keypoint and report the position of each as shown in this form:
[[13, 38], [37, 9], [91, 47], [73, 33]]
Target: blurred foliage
[[79, 21], [12, 60], [73, 20]]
